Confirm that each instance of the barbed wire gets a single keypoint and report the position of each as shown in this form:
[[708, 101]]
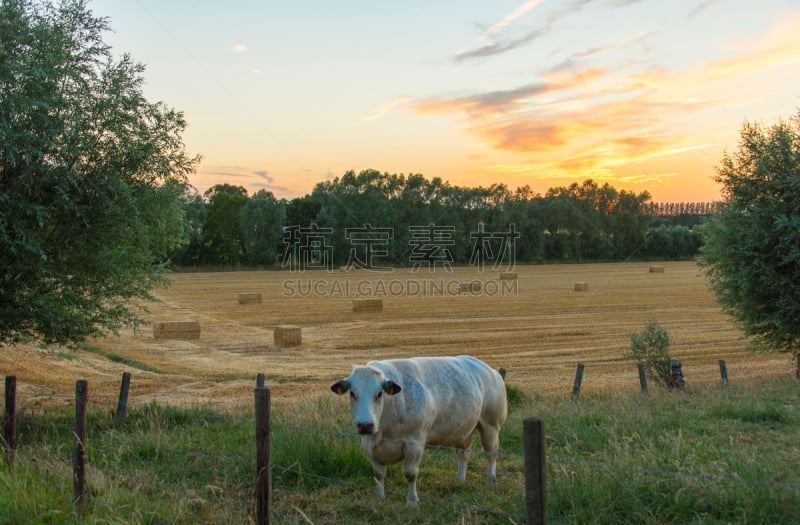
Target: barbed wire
[[553, 462], [297, 428]]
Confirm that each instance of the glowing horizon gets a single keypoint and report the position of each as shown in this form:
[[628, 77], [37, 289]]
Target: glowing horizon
[[641, 95]]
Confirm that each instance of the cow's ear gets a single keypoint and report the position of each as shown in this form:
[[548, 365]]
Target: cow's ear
[[340, 387], [391, 388]]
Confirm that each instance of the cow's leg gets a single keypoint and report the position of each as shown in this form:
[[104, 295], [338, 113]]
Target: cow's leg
[[380, 475], [378, 468], [411, 471], [463, 460], [490, 438], [463, 453]]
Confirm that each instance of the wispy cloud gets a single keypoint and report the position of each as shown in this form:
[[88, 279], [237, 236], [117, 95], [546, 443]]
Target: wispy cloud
[[500, 43], [700, 7], [238, 48], [384, 109], [253, 180], [278, 190], [623, 3], [491, 104], [497, 48], [646, 178], [518, 12], [779, 46], [508, 43], [223, 173], [262, 174], [574, 59]]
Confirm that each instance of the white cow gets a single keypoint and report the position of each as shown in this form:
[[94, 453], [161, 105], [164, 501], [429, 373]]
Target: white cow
[[401, 405]]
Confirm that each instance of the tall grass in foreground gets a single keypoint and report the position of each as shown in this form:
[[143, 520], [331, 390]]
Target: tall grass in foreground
[[701, 456]]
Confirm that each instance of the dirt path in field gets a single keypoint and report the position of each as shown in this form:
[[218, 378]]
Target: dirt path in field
[[538, 327]]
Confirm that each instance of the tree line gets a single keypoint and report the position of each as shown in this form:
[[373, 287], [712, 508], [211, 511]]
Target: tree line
[[683, 208], [94, 203], [401, 216]]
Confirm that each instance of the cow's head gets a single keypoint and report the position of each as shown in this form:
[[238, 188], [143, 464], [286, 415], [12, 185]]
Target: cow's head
[[368, 388]]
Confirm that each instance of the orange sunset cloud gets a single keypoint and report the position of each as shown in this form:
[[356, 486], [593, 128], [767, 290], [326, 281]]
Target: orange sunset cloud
[[642, 95], [593, 121]]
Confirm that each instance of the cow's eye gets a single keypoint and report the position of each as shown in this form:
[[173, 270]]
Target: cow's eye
[[352, 395]]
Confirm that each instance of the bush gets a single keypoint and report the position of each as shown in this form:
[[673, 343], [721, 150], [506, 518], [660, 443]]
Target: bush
[[514, 396], [651, 347]]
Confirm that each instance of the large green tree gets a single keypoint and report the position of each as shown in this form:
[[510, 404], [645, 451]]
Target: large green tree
[[223, 234], [262, 221], [91, 175], [195, 211], [752, 243]]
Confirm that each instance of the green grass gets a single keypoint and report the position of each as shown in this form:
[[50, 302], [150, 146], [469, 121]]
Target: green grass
[[700, 456], [119, 359]]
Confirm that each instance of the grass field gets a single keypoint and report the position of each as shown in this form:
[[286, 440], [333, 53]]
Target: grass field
[[538, 327], [704, 456], [708, 455]]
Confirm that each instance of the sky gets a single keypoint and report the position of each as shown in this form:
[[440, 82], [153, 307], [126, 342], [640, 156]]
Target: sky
[[642, 95]]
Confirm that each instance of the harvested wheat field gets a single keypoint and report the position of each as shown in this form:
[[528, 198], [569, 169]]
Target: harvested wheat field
[[537, 327]]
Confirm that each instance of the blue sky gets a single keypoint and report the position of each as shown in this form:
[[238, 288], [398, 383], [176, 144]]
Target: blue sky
[[644, 95]]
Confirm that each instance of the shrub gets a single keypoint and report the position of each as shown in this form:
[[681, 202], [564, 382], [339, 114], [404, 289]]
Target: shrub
[[651, 347], [514, 396]]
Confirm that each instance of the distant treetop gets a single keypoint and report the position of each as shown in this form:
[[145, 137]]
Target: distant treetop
[[230, 189]]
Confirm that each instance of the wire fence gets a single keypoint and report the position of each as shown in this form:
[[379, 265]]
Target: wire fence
[[28, 420], [504, 455]]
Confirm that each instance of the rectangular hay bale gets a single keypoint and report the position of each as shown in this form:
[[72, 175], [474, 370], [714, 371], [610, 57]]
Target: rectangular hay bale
[[508, 276], [249, 298], [367, 305], [287, 335], [581, 286], [470, 287], [656, 269], [176, 330]]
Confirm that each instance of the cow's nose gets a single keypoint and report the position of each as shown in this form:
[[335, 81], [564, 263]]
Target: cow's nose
[[365, 427]]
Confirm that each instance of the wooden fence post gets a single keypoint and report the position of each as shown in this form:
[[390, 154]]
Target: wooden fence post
[[260, 380], [79, 454], [122, 405], [677, 375], [643, 379], [10, 420], [723, 372], [576, 387], [535, 471], [797, 363], [263, 456]]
